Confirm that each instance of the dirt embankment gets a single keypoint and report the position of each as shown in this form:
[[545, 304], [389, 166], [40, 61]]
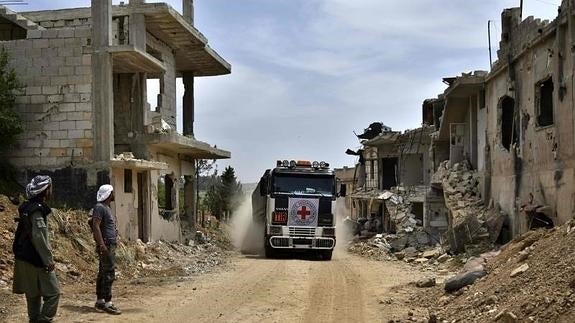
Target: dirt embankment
[[76, 262], [531, 280]]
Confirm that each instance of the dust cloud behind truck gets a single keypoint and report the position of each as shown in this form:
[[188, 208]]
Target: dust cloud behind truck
[[294, 204]]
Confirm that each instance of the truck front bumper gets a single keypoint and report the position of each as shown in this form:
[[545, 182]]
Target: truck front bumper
[[287, 242]]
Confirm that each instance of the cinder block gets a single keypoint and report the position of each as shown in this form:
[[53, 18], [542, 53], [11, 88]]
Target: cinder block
[[66, 33], [75, 134], [59, 134], [41, 152], [33, 90], [39, 62], [55, 98], [75, 116], [73, 42], [49, 33], [52, 161], [50, 70], [58, 152], [37, 99], [59, 80], [83, 33], [65, 51], [83, 125], [59, 23], [73, 61], [50, 143], [88, 134], [66, 71], [66, 89], [50, 53], [50, 90], [34, 52], [66, 143], [67, 107], [47, 24], [67, 125], [31, 34], [84, 88], [87, 60], [84, 107], [55, 43], [85, 97], [83, 143], [60, 116], [72, 97], [88, 153], [83, 70], [40, 43], [22, 99], [32, 143]]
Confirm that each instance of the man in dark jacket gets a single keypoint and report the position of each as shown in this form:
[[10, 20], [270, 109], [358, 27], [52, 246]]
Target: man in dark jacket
[[106, 237], [34, 262]]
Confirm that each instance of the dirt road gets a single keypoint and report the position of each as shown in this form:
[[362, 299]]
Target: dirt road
[[346, 289]]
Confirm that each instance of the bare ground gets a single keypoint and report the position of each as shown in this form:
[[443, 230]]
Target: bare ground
[[252, 289]]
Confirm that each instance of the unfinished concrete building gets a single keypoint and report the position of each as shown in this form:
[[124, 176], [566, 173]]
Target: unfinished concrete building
[[87, 120]]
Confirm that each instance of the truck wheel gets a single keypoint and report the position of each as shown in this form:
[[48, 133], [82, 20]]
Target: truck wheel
[[326, 255], [269, 252]]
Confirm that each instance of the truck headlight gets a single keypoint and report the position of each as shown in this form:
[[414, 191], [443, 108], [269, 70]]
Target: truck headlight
[[328, 232], [275, 230]]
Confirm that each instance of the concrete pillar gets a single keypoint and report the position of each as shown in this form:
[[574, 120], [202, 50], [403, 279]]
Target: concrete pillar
[[188, 104], [138, 31], [190, 200], [188, 11], [102, 81]]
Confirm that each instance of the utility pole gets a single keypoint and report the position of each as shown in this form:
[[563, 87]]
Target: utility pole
[[489, 40], [521, 10]]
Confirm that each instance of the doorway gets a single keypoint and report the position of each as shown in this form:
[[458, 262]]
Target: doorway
[[143, 207], [388, 167]]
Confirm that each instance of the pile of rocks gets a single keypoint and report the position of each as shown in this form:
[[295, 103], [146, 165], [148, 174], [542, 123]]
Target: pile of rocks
[[471, 222]]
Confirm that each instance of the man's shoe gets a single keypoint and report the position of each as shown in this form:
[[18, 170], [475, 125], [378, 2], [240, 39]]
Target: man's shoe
[[111, 309], [100, 306]]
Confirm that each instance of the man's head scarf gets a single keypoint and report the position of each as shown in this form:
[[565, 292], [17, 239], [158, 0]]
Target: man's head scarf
[[38, 185], [104, 192]]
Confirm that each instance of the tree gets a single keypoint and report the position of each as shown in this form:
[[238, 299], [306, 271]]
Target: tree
[[10, 122], [203, 167], [10, 87], [230, 191]]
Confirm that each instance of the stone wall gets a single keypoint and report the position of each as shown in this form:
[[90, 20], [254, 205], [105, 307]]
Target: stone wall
[[55, 67]]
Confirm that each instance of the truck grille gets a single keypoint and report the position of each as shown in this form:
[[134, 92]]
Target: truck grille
[[324, 243], [301, 231], [280, 242]]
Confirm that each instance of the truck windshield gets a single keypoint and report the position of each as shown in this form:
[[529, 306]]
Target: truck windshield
[[303, 184]]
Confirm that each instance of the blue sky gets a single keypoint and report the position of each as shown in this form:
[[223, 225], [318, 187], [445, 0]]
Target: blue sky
[[307, 73]]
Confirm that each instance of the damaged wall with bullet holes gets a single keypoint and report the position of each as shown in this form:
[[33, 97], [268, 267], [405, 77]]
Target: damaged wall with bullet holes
[[529, 100]]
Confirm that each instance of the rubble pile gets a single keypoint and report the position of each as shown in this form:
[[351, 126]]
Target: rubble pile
[[529, 280], [471, 222]]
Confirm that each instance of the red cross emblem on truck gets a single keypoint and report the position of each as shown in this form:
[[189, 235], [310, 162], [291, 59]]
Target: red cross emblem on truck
[[303, 212]]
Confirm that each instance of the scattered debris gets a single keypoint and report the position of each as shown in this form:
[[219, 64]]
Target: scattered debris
[[424, 283], [519, 270]]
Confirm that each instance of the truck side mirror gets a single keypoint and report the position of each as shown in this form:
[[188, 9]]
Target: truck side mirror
[[263, 185], [342, 190]]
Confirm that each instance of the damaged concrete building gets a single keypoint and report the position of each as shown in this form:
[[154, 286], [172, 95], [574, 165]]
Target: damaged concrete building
[[495, 156], [86, 115], [397, 174]]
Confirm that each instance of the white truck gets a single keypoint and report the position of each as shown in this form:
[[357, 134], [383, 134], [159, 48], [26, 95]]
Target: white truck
[[295, 202]]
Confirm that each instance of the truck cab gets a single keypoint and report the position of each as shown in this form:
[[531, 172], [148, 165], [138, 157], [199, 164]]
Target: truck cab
[[296, 203]]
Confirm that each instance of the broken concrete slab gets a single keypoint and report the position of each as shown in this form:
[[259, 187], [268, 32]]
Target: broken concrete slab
[[519, 270], [464, 279]]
